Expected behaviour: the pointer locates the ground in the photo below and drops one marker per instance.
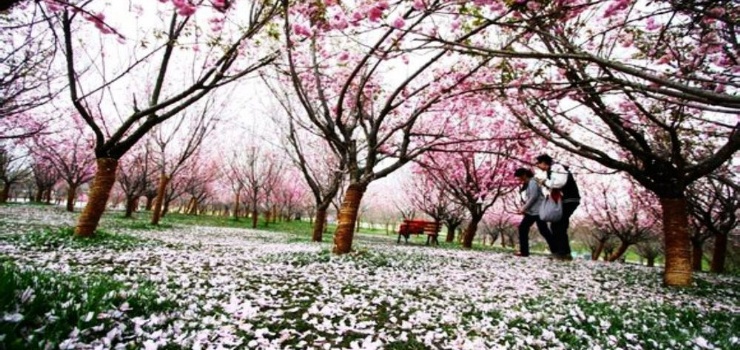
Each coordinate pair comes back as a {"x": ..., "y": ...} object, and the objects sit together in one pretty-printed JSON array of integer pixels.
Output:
[{"x": 192, "y": 287}]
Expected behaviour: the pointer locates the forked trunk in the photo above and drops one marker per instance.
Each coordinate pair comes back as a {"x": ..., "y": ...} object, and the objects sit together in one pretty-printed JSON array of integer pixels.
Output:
[
  {"x": 318, "y": 227},
  {"x": 719, "y": 254},
  {"x": 105, "y": 177},
  {"x": 470, "y": 231},
  {"x": 677, "y": 242},
  {"x": 620, "y": 251},
  {"x": 697, "y": 253},
  {"x": 347, "y": 218},
  {"x": 71, "y": 195},
  {"x": 164, "y": 180}
]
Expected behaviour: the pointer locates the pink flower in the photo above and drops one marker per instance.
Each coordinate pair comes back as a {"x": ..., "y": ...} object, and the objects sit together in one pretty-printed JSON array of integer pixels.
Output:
[
  {"x": 419, "y": 5},
  {"x": 344, "y": 56},
  {"x": 375, "y": 14},
  {"x": 398, "y": 23}
]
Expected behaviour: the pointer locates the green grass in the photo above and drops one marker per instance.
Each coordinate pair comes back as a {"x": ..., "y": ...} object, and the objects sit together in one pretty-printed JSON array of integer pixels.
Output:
[
  {"x": 48, "y": 239},
  {"x": 41, "y": 308}
]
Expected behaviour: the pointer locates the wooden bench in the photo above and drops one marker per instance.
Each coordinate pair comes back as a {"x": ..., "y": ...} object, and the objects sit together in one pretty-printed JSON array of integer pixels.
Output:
[{"x": 418, "y": 227}]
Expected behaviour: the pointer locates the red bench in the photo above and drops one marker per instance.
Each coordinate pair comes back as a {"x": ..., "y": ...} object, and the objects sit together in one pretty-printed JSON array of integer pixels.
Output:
[{"x": 418, "y": 227}]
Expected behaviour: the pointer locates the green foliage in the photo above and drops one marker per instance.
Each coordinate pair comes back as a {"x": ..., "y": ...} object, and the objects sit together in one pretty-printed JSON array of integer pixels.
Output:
[
  {"x": 41, "y": 308},
  {"x": 48, "y": 239}
]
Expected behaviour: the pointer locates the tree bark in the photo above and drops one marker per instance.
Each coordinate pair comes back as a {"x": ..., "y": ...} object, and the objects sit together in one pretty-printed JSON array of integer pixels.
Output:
[
  {"x": 697, "y": 253},
  {"x": 599, "y": 248},
  {"x": 451, "y": 233},
  {"x": 39, "y": 195},
  {"x": 719, "y": 254},
  {"x": 470, "y": 231},
  {"x": 347, "y": 218},
  {"x": 677, "y": 242},
  {"x": 4, "y": 192},
  {"x": 236, "y": 206},
  {"x": 71, "y": 195},
  {"x": 620, "y": 251},
  {"x": 105, "y": 177},
  {"x": 650, "y": 261},
  {"x": 318, "y": 227},
  {"x": 164, "y": 180},
  {"x": 130, "y": 203},
  {"x": 254, "y": 216}
]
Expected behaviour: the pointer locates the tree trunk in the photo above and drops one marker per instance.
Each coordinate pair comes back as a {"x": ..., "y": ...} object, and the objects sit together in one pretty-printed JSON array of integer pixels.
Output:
[
  {"x": 149, "y": 204},
  {"x": 192, "y": 207},
  {"x": 71, "y": 195},
  {"x": 596, "y": 253},
  {"x": 130, "y": 203},
  {"x": 503, "y": 240},
  {"x": 470, "y": 231},
  {"x": 5, "y": 192},
  {"x": 697, "y": 253},
  {"x": 105, "y": 177},
  {"x": 236, "y": 206},
  {"x": 357, "y": 223},
  {"x": 620, "y": 251},
  {"x": 166, "y": 208},
  {"x": 48, "y": 195},
  {"x": 164, "y": 180},
  {"x": 39, "y": 195},
  {"x": 318, "y": 227},
  {"x": 451, "y": 233},
  {"x": 719, "y": 253},
  {"x": 677, "y": 242},
  {"x": 254, "y": 216},
  {"x": 347, "y": 218},
  {"x": 651, "y": 261}
]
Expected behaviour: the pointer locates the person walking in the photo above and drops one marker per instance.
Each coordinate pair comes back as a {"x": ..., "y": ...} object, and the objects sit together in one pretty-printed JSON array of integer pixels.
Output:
[
  {"x": 560, "y": 182},
  {"x": 532, "y": 198}
]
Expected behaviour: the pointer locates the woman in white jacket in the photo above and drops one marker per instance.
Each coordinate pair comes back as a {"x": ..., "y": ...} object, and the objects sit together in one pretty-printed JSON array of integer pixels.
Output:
[{"x": 560, "y": 183}]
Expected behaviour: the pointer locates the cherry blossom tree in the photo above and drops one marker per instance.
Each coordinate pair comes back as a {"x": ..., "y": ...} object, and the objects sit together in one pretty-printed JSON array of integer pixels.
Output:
[
  {"x": 337, "y": 55},
  {"x": 473, "y": 180},
  {"x": 714, "y": 203},
  {"x": 27, "y": 75},
  {"x": 134, "y": 178},
  {"x": 68, "y": 149},
  {"x": 646, "y": 90},
  {"x": 174, "y": 143},
  {"x": 45, "y": 176},
  {"x": 13, "y": 169},
  {"x": 621, "y": 209},
  {"x": 211, "y": 58}
]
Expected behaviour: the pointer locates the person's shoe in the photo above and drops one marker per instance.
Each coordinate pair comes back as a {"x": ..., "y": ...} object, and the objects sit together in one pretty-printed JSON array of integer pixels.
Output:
[
  {"x": 520, "y": 254},
  {"x": 560, "y": 257}
]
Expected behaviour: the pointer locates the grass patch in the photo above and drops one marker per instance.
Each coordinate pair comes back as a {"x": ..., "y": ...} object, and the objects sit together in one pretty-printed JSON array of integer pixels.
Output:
[
  {"x": 40, "y": 309},
  {"x": 56, "y": 238}
]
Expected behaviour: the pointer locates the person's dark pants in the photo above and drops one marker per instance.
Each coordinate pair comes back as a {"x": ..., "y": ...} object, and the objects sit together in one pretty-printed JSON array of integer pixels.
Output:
[
  {"x": 524, "y": 227},
  {"x": 561, "y": 242}
]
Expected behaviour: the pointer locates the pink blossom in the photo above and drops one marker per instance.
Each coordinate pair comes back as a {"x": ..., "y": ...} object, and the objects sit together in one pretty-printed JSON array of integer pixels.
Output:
[
  {"x": 651, "y": 25},
  {"x": 398, "y": 23},
  {"x": 375, "y": 14},
  {"x": 419, "y": 5},
  {"x": 344, "y": 56}
]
